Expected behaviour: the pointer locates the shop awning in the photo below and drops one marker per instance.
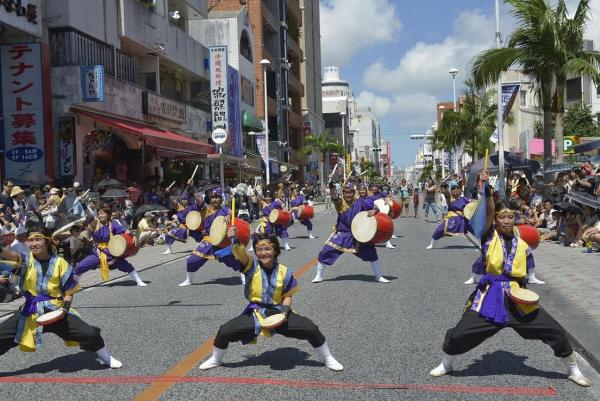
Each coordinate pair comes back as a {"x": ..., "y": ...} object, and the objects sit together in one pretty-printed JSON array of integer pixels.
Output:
[
  {"x": 586, "y": 147},
  {"x": 168, "y": 141},
  {"x": 251, "y": 122}
]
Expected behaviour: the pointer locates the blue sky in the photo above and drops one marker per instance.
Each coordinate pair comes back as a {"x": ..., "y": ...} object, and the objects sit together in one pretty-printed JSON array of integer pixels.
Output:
[{"x": 397, "y": 53}]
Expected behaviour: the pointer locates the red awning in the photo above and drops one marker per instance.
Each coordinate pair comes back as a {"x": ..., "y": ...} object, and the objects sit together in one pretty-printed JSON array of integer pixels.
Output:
[{"x": 161, "y": 139}]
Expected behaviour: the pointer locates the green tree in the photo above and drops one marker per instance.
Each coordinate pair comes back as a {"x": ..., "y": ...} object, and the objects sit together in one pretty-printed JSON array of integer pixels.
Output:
[
  {"x": 368, "y": 167},
  {"x": 472, "y": 125},
  {"x": 547, "y": 45},
  {"x": 579, "y": 120},
  {"x": 322, "y": 145},
  {"x": 426, "y": 172}
]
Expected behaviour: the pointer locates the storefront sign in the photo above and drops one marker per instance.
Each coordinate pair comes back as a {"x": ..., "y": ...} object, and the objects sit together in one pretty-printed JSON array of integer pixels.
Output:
[
  {"x": 92, "y": 83},
  {"x": 159, "y": 106},
  {"x": 218, "y": 85},
  {"x": 569, "y": 144},
  {"x": 22, "y": 14},
  {"x": 23, "y": 111}
]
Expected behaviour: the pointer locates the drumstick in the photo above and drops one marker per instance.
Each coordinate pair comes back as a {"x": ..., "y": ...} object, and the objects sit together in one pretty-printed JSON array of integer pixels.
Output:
[
  {"x": 194, "y": 173},
  {"x": 170, "y": 186},
  {"x": 232, "y": 210}
]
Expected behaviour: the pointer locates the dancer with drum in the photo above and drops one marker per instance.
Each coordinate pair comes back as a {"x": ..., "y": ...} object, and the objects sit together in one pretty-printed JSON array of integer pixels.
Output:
[
  {"x": 302, "y": 210},
  {"x": 501, "y": 299},
  {"x": 383, "y": 201},
  {"x": 206, "y": 250},
  {"x": 103, "y": 229},
  {"x": 48, "y": 283},
  {"x": 455, "y": 222},
  {"x": 275, "y": 218},
  {"x": 342, "y": 239},
  {"x": 183, "y": 208},
  {"x": 270, "y": 286}
]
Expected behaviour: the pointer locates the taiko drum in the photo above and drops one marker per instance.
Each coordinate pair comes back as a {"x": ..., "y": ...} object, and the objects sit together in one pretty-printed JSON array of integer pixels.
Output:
[
  {"x": 218, "y": 231},
  {"x": 372, "y": 230}
]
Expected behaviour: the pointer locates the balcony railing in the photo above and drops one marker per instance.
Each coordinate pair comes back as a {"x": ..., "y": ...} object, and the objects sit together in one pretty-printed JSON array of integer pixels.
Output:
[
  {"x": 71, "y": 47},
  {"x": 269, "y": 17},
  {"x": 293, "y": 48}
]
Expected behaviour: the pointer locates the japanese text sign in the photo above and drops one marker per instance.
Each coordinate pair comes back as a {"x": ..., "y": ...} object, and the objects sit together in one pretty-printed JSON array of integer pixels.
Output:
[{"x": 218, "y": 86}]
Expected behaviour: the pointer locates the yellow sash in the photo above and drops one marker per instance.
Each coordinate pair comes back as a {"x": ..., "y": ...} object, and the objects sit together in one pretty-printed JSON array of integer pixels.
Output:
[{"x": 103, "y": 261}]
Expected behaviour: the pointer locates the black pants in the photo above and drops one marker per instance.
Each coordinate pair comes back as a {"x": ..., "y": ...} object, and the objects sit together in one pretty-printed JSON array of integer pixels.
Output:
[
  {"x": 241, "y": 328},
  {"x": 473, "y": 329},
  {"x": 71, "y": 328}
]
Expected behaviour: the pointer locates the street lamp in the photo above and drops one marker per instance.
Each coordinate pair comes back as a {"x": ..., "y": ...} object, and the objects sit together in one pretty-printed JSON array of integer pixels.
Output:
[
  {"x": 265, "y": 64},
  {"x": 453, "y": 72}
]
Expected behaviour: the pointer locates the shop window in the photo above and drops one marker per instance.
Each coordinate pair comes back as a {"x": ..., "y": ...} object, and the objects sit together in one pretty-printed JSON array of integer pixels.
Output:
[
  {"x": 573, "y": 89},
  {"x": 523, "y": 98},
  {"x": 148, "y": 80},
  {"x": 247, "y": 92},
  {"x": 245, "y": 46}
]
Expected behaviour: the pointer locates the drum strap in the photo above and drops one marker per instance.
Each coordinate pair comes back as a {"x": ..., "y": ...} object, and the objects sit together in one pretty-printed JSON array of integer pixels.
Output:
[{"x": 103, "y": 260}]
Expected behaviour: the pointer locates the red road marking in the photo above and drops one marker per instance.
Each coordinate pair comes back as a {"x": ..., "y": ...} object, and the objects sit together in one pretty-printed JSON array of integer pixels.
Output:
[{"x": 531, "y": 391}]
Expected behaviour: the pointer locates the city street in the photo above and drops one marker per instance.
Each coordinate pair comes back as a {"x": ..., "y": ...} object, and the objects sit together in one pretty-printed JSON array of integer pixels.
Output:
[{"x": 387, "y": 336}]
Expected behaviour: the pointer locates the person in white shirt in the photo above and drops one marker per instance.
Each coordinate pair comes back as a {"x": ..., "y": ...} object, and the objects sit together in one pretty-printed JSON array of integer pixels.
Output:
[{"x": 20, "y": 243}]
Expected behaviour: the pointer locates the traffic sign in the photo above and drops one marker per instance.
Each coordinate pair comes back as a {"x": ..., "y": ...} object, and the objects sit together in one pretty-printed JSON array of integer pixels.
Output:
[{"x": 219, "y": 136}]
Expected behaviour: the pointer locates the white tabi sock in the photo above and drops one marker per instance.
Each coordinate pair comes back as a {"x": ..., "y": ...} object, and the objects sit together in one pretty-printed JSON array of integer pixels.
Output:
[
  {"x": 471, "y": 280},
  {"x": 445, "y": 366},
  {"x": 188, "y": 280},
  {"x": 320, "y": 272},
  {"x": 430, "y": 246},
  {"x": 286, "y": 245},
  {"x": 107, "y": 359},
  {"x": 310, "y": 235},
  {"x": 534, "y": 280},
  {"x": 328, "y": 359},
  {"x": 389, "y": 245},
  {"x": 376, "y": 266},
  {"x": 573, "y": 371},
  {"x": 134, "y": 275},
  {"x": 243, "y": 278},
  {"x": 168, "y": 251},
  {"x": 216, "y": 359}
]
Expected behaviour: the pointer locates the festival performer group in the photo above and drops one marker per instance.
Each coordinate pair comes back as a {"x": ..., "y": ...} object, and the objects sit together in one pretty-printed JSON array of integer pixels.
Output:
[{"x": 365, "y": 219}]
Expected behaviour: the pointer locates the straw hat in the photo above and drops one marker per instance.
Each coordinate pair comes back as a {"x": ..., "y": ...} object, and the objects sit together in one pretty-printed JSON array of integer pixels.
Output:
[
  {"x": 54, "y": 191},
  {"x": 16, "y": 191}
]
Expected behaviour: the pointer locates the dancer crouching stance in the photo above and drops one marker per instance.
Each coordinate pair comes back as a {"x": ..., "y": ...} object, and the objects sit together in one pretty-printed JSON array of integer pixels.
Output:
[
  {"x": 342, "y": 240},
  {"x": 505, "y": 262},
  {"x": 455, "y": 221},
  {"x": 48, "y": 284},
  {"x": 269, "y": 289}
]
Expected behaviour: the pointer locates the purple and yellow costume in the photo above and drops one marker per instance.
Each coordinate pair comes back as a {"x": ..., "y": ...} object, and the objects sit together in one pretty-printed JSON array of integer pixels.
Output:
[
  {"x": 341, "y": 240},
  {"x": 298, "y": 201},
  {"x": 206, "y": 250},
  {"x": 180, "y": 233},
  {"x": 265, "y": 226},
  {"x": 101, "y": 255},
  {"x": 455, "y": 222}
]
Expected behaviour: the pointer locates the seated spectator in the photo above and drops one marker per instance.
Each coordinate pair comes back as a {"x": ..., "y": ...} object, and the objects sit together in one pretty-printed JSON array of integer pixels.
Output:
[
  {"x": 147, "y": 230},
  {"x": 546, "y": 222},
  {"x": 555, "y": 232}
]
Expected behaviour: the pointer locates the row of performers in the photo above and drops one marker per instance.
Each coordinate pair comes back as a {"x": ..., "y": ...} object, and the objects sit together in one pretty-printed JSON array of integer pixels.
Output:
[{"x": 49, "y": 284}]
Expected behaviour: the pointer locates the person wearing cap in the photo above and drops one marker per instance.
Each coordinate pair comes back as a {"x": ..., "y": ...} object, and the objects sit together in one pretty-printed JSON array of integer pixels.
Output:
[
  {"x": 183, "y": 207},
  {"x": 504, "y": 263},
  {"x": 53, "y": 293},
  {"x": 18, "y": 197},
  {"x": 102, "y": 229},
  {"x": 341, "y": 240},
  {"x": 147, "y": 231},
  {"x": 298, "y": 200},
  {"x": 268, "y": 204},
  {"x": 205, "y": 250}
]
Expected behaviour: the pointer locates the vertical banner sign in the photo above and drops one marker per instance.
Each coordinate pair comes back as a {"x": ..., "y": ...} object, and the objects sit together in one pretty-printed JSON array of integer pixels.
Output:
[
  {"x": 261, "y": 143},
  {"x": 509, "y": 94},
  {"x": 218, "y": 86},
  {"x": 66, "y": 147},
  {"x": 23, "y": 111},
  {"x": 234, "y": 113},
  {"x": 92, "y": 83}
]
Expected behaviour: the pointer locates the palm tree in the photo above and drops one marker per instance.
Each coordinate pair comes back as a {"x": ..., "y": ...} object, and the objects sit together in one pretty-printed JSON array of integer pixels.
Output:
[
  {"x": 472, "y": 125},
  {"x": 368, "y": 167},
  {"x": 323, "y": 145},
  {"x": 547, "y": 46}
]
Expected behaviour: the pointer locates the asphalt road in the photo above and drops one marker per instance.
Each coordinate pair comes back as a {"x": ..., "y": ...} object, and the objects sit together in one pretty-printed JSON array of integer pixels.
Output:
[{"x": 388, "y": 336}]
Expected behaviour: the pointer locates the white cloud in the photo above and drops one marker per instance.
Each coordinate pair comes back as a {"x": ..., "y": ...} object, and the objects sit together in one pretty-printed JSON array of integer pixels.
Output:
[
  {"x": 425, "y": 66},
  {"x": 380, "y": 105},
  {"x": 348, "y": 26}
]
